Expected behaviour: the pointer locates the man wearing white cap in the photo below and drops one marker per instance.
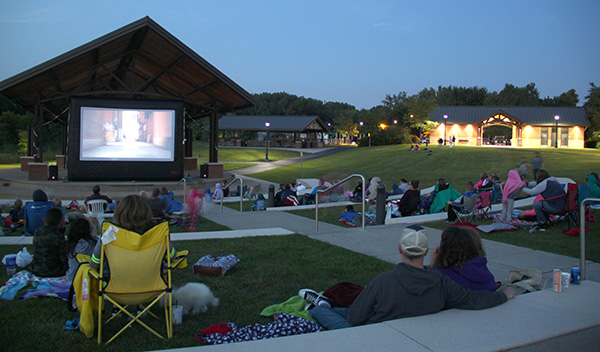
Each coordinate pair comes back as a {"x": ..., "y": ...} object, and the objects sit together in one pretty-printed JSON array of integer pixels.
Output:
[{"x": 409, "y": 290}]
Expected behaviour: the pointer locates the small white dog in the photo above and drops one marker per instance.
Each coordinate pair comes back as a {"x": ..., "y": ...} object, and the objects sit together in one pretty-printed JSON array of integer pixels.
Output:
[{"x": 194, "y": 297}]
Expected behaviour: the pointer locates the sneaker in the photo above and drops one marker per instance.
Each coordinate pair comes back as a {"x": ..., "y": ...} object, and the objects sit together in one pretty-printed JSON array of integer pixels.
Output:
[
  {"x": 309, "y": 306},
  {"x": 313, "y": 297}
]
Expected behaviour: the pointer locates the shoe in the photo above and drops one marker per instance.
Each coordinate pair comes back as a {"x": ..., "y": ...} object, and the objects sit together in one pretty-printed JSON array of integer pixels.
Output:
[
  {"x": 313, "y": 297},
  {"x": 309, "y": 306}
]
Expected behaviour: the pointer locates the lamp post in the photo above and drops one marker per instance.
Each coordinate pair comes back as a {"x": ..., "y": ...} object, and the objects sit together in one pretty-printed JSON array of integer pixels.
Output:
[
  {"x": 267, "y": 124},
  {"x": 445, "y": 119},
  {"x": 556, "y": 135}
]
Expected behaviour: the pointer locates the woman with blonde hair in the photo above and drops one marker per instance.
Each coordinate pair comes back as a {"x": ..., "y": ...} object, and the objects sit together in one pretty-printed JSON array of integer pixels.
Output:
[
  {"x": 134, "y": 214},
  {"x": 461, "y": 257}
]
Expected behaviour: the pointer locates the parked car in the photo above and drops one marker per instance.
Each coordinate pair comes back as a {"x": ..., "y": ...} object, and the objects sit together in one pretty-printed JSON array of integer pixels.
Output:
[{"x": 499, "y": 140}]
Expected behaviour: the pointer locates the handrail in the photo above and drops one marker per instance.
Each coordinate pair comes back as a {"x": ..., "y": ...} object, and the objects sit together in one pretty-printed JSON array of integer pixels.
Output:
[
  {"x": 582, "y": 234},
  {"x": 241, "y": 192},
  {"x": 333, "y": 186}
]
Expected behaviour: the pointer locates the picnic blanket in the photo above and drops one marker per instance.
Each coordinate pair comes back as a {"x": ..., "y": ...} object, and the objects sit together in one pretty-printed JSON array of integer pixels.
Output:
[
  {"x": 283, "y": 325},
  {"x": 514, "y": 221},
  {"x": 25, "y": 285},
  {"x": 293, "y": 306}
]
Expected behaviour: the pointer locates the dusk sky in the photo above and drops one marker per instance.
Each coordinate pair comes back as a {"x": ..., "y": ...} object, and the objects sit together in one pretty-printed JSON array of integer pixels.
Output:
[{"x": 354, "y": 52}]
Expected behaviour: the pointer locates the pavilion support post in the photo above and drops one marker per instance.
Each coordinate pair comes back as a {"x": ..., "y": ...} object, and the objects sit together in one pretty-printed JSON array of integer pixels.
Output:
[
  {"x": 36, "y": 134},
  {"x": 64, "y": 139},
  {"x": 189, "y": 139},
  {"x": 213, "y": 155}
]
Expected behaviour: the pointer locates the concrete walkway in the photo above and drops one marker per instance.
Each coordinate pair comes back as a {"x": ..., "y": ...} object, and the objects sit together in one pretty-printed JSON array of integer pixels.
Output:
[{"x": 538, "y": 321}]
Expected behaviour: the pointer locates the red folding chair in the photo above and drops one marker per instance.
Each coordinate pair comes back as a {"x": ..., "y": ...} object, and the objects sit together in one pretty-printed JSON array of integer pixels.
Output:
[
  {"x": 484, "y": 205},
  {"x": 571, "y": 209}
]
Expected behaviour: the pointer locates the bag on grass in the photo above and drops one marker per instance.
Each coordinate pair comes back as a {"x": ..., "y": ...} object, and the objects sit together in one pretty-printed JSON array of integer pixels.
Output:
[{"x": 215, "y": 266}]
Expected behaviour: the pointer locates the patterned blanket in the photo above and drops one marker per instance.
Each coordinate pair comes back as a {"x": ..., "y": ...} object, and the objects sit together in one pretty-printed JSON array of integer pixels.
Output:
[
  {"x": 25, "y": 285},
  {"x": 283, "y": 325}
]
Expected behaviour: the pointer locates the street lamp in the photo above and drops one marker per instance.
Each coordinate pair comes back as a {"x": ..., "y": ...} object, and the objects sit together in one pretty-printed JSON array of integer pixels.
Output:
[
  {"x": 267, "y": 124},
  {"x": 556, "y": 135},
  {"x": 445, "y": 119}
]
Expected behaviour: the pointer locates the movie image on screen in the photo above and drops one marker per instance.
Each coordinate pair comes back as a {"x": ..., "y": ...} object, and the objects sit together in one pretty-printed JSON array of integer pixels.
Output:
[{"x": 116, "y": 134}]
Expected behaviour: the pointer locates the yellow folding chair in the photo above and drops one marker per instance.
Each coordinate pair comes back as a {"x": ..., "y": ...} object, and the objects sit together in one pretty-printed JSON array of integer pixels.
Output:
[{"x": 140, "y": 274}]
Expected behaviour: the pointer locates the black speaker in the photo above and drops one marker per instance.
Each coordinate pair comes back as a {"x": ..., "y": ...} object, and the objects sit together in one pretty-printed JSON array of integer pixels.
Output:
[
  {"x": 53, "y": 172},
  {"x": 204, "y": 171}
]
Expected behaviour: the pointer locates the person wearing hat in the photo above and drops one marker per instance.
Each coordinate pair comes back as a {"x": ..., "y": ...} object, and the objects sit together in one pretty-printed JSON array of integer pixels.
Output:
[{"x": 411, "y": 289}]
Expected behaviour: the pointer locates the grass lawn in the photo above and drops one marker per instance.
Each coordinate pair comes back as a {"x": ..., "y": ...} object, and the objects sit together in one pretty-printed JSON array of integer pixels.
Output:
[
  {"x": 242, "y": 154},
  {"x": 552, "y": 240},
  {"x": 457, "y": 165},
  {"x": 271, "y": 270},
  {"x": 204, "y": 225}
]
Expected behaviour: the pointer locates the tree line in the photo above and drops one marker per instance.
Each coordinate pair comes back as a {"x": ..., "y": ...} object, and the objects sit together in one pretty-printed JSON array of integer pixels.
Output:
[{"x": 401, "y": 114}]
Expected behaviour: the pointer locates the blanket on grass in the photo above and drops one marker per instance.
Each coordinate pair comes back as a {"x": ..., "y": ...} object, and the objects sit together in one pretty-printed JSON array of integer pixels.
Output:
[
  {"x": 25, "y": 285},
  {"x": 293, "y": 306},
  {"x": 514, "y": 221},
  {"x": 283, "y": 325}
]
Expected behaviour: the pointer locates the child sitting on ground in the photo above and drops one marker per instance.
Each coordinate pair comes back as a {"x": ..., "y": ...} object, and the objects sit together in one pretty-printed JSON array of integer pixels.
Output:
[
  {"x": 79, "y": 241},
  {"x": 348, "y": 217},
  {"x": 15, "y": 217},
  {"x": 260, "y": 204}
]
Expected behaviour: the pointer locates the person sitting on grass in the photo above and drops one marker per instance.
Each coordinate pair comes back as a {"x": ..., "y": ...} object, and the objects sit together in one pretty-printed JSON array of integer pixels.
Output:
[
  {"x": 496, "y": 195},
  {"x": 466, "y": 202},
  {"x": 50, "y": 247},
  {"x": 79, "y": 241},
  {"x": 15, "y": 216},
  {"x": 554, "y": 197},
  {"x": 410, "y": 290},
  {"x": 173, "y": 204},
  {"x": 462, "y": 258},
  {"x": 133, "y": 214},
  {"x": 260, "y": 203},
  {"x": 409, "y": 201},
  {"x": 485, "y": 181},
  {"x": 349, "y": 216}
]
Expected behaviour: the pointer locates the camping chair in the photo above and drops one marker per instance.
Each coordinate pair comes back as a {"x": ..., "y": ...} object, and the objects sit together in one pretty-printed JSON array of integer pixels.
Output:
[
  {"x": 34, "y": 214},
  {"x": 140, "y": 274},
  {"x": 571, "y": 208},
  {"x": 465, "y": 215},
  {"x": 97, "y": 206},
  {"x": 484, "y": 204}
]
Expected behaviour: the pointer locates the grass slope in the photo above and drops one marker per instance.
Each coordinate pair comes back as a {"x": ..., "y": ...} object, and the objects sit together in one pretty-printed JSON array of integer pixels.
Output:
[
  {"x": 271, "y": 270},
  {"x": 457, "y": 165}
]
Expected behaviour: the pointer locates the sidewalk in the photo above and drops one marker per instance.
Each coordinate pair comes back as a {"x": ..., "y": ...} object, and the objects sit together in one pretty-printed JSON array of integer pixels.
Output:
[{"x": 538, "y": 321}]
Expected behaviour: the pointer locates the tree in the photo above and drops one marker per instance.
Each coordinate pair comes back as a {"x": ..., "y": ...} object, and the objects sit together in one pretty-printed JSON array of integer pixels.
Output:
[
  {"x": 396, "y": 106},
  {"x": 592, "y": 110},
  {"x": 345, "y": 124},
  {"x": 461, "y": 96},
  {"x": 11, "y": 124},
  {"x": 569, "y": 98},
  {"x": 515, "y": 96}
]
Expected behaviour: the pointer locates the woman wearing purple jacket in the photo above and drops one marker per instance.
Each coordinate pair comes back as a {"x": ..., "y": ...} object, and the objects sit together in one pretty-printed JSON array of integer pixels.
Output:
[{"x": 461, "y": 257}]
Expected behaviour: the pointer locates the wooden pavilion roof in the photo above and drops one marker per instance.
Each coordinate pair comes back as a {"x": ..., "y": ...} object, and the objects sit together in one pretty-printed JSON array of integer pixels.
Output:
[{"x": 139, "y": 61}]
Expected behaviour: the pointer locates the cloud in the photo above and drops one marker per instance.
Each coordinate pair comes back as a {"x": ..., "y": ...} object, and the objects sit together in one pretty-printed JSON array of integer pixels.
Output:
[{"x": 381, "y": 24}]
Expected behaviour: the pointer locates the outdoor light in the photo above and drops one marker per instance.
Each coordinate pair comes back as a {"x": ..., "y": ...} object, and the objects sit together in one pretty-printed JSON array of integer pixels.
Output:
[
  {"x": 445, "y": 119},
  {"x": 395, "y": 121},
  {"x": 267, "y": 124},
  {"x": 556, "y": 135},
  {"x": 361, "y": 123}
]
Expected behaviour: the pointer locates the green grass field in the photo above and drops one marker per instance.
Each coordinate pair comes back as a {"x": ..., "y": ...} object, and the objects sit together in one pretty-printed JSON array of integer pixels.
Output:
[
  {"x": 457, "y": 165},
  {"x": 271, "y": 270}
]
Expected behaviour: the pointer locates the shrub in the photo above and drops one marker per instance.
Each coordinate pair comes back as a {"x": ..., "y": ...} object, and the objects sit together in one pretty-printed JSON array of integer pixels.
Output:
[{"x": 591, "y": 144}]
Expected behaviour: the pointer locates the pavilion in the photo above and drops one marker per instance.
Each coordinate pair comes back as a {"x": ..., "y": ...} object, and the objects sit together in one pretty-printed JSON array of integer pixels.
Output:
[{"x": 532, "y": 126}]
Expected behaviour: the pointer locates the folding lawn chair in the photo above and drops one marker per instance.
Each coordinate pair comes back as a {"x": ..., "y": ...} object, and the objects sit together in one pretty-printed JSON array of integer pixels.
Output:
[
  {"x": 570, "y": 213},
  {"x": 484, "y": 204},
  {"x": 140, "y": 274}
]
